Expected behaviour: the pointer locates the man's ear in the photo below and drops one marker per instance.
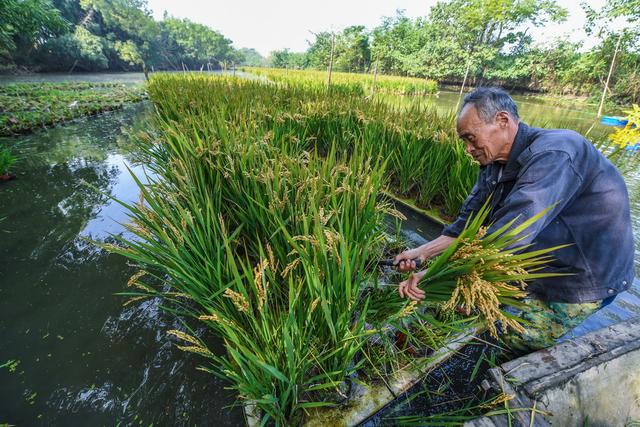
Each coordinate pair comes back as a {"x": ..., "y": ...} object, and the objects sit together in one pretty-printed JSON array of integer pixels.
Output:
[{"x": 502, "y": 119}]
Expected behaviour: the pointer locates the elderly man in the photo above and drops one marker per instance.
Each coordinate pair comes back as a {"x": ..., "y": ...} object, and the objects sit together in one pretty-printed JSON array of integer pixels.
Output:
[{"x": 524, "y": 170}]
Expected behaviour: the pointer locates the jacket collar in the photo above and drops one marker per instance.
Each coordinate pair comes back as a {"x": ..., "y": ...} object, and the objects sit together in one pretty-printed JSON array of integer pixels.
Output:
[{"x": 521, "y": 142}]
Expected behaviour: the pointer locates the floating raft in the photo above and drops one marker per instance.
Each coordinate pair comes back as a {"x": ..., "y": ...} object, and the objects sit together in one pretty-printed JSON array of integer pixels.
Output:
[{"x": 369, "y": 399}]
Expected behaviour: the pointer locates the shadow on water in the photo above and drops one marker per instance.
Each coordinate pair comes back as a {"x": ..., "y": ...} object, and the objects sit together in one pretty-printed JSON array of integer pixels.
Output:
[{"x": 82, "y": 358}]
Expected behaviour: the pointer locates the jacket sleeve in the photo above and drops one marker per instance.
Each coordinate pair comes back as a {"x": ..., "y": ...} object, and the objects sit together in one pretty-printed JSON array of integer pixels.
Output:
[
  {"x": 546, "y": 179},
  {"x": 471, "y": 205}
]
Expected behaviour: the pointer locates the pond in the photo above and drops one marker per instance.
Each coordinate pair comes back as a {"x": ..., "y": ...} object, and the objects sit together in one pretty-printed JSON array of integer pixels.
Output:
[
  {"x": 77, "y": 356},
  {"x": 80, "y": 357}
]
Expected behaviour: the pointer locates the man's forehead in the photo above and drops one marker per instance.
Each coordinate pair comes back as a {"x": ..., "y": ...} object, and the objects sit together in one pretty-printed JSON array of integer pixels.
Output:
[
  {"x": 467, "y": 115},
  {"x": 469, "y": 111}
]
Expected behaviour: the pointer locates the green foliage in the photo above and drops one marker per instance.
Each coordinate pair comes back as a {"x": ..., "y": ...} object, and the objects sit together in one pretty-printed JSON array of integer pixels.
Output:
[
  {"x": 490, "y": 41},
  {"x": 269, "y": 241},
  {"x": 6, "y": 161},
  {"x": 80, "y": 50},
  {"x": 486, "y": 40},
  {"x": 105, "y": 34},
  {"x": 129, "y": 52},
  {"x": 251, "y": 58},
  {"x": 90, "y": 48},
  {"x": 457, "y": 34},
  {"x": 286, "y": 59},
  {"x": 351, "y": 50},
  {"x": 28, "y": 106},
  {"x": 198, "y": 44},
  {"x": 25, "y": 24}
]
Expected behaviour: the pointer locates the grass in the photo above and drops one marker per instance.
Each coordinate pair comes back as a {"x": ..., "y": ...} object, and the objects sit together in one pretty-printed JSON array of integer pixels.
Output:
[
  {"x": 6, "y": 161},
  {"x": 263, "y": 220},
  {"x": 25, "y": 107}
]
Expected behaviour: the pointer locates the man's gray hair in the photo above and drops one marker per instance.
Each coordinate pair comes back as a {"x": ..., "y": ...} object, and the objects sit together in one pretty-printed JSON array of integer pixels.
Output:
[{"x": 489, "y": 101}]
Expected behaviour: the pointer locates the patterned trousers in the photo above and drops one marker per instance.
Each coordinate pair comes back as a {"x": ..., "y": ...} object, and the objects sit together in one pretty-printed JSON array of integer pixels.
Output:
[{"x": 548, "y": 321}]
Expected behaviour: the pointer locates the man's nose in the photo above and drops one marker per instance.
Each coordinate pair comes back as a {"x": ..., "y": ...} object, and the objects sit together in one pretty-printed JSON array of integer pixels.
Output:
[{"x": 468, "y": 147}]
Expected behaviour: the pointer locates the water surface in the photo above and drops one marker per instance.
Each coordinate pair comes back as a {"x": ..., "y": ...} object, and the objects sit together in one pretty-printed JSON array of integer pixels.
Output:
[{"x": 82, "y": 358}]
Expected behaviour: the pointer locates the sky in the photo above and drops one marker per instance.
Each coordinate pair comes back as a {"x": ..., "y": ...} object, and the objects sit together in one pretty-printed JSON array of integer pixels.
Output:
[{"x": 268, "y": 25}]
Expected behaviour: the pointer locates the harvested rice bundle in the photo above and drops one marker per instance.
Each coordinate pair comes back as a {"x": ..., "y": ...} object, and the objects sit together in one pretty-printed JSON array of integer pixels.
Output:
[{"x": 480, "y": 272}]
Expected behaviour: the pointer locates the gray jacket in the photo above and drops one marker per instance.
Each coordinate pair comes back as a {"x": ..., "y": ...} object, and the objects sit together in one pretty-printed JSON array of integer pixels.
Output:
[{"x": 592, "y": 211}]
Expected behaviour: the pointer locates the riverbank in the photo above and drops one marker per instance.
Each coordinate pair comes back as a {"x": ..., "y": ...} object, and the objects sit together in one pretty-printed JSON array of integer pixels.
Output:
[{"x": 25, "y": 107}]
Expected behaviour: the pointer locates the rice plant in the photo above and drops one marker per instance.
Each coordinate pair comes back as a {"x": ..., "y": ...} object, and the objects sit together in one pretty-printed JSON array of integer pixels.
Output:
[
  {"x": 426, "y": 159},
  {"x": 262, "y": 220},
  {"x": 365, "y": 82},
  {"x": 269, "y": 250},
  {"x": 480, "y": 273}
]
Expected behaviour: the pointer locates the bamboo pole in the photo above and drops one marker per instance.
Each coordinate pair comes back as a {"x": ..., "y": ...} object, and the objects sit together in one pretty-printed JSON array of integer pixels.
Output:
[
  {"x": 464, "y": 81},
  {"x": 333, "y": 45},
  {"x": 606, "y": 84},
  {"x": 375, "y": 78}
]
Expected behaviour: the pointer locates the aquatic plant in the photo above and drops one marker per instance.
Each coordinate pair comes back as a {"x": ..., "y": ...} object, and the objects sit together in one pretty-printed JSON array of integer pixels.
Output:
[
  {"x": 269, "y": 250},
  {"x": 262, "y": 220},
  {"x": 28, "y": 106},
  {"x": 6, "y": 161},
  {"x": 479, "y": 273}
]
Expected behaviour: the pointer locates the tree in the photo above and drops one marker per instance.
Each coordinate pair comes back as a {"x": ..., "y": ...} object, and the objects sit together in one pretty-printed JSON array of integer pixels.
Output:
[
  {"x": 395, "y": 44},
  {"x": 129, "y": 29},
  {"x": 198, "y": 44},
  {"x": 252, "y": 58},
  {"x": 618, "y": 49},
  {"x": 352, "y": 51},
  {"x": 25, "y": 25},
  {"x": 319, "y": 51},
  {"x": 286, "y": 59},
  {"x": 478, "y": 31}
]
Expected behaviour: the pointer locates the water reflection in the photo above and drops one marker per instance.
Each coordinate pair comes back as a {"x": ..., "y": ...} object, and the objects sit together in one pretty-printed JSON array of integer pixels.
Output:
[{"x": 83, "y": 358}]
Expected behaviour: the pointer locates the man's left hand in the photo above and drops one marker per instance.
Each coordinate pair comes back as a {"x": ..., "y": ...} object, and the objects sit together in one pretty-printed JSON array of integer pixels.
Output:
[{"x": 409, "y": 288}]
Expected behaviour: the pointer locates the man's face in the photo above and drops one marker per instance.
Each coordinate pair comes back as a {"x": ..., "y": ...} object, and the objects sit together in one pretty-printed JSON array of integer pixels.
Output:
[{"x": 485, "y": 142}]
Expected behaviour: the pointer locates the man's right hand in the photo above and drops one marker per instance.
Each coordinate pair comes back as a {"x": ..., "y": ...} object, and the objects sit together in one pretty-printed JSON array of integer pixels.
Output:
[{"x": 406, "y": 260}]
